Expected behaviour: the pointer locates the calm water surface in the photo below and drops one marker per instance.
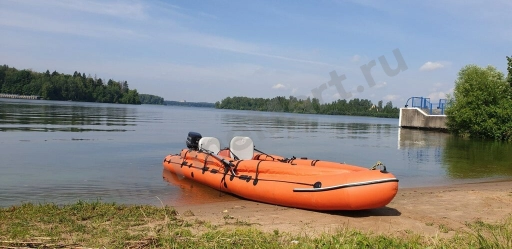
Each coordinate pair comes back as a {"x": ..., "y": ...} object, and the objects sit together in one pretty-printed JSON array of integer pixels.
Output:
[{"x": 62, "y": 152}]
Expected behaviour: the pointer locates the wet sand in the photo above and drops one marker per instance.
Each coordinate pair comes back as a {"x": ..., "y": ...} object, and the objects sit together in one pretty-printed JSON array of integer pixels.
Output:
[{"x": 431, "y": 211}]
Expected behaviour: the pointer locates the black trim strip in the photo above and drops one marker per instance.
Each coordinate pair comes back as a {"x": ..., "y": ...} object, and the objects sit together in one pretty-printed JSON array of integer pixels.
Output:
[{"x": 348, "y": 185}]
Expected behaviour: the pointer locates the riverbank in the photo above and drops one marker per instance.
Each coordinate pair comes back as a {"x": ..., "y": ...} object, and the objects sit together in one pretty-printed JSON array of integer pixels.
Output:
[
  {"x": 428, "y": 211},
  {"x": 459, "y": 216}
]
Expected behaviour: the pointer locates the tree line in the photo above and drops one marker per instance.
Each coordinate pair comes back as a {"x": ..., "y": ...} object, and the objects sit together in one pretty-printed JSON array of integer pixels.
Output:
[
  {"x": 189, "y": 104},
  {"x": 151, "y": 99},
  {"x": 59, "y": 86},
  {"x": 355, "y": 107}
]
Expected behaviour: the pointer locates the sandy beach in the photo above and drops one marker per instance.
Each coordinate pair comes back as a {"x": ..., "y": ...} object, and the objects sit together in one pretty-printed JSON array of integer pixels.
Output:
[{"x": 430, "y": 211}]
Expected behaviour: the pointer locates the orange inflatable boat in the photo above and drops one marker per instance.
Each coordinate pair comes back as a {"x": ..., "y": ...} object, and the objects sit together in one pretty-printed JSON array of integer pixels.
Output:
[{"x": 293, "y": 182}]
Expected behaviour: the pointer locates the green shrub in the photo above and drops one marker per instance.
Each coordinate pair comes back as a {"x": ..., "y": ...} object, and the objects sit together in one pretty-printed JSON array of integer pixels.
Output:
[{"x": 482, "y": 106}]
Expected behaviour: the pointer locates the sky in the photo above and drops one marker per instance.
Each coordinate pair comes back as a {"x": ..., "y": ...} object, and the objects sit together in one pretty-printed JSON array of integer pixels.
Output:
[{"x": 205, "y": 51}]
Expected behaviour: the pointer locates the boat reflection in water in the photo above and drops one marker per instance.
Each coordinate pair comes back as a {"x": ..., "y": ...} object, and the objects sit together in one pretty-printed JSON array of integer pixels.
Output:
[{"x": 191, "y": 192}]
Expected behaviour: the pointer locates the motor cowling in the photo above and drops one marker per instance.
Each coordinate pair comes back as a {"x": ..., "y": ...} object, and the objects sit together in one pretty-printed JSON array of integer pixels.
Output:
[{"x": 193, "y": 140}]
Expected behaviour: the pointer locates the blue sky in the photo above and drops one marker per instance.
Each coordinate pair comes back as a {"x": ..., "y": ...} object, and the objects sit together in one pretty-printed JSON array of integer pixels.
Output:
[{"x": 209, "y": 50}]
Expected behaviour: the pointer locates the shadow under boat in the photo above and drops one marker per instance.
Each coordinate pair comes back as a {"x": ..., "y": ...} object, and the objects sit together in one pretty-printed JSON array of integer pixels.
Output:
[{"x": 192, "y": 192}]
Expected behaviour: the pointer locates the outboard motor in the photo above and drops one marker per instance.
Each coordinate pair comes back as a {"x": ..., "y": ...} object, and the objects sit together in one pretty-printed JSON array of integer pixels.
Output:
[{"x": 193, "y": 140}]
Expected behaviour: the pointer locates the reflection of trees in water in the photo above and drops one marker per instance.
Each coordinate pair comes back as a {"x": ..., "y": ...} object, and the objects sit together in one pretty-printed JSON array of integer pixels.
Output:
[
  {"x": 459, "y": 158},
  {"x": 259, "y": 126},
  {"x": 263, "y": 123},
  {"x": 266, "y": 125},
  {"x": 476, "y": 158},
  {"x": 351, "y": 127},
  {"x": 45, "y": 116},
  {"x": 360, "y": 128}
]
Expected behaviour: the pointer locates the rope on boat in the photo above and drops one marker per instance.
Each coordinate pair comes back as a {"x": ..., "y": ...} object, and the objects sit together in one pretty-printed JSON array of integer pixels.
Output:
[
  {"x": 265, "y": 154},
  {"x": 379, "y": 164},
  {"x": 234, "y": 155},
  {"x": 255, "y": 181},
  {"x": 205, "y": 168},
  {"x": 246, "y": 177}
]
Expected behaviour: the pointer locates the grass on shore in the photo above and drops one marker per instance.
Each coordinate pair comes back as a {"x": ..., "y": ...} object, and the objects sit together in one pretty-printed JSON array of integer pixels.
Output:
[{"x": 110, "y": 225}]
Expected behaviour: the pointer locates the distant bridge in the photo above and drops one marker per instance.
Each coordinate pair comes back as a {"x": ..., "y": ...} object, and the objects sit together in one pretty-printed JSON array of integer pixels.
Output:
[{"x": 17, "y": 96}]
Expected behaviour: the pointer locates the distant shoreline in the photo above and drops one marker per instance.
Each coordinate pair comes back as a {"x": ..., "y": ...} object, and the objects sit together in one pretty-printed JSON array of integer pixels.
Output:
[{"x": 191, "y": 104}]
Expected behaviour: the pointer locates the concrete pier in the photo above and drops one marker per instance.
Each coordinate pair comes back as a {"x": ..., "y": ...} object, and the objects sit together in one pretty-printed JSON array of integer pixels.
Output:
[
  {"x": 16, "y": 96},
  {"x": 419, "y": 119}
]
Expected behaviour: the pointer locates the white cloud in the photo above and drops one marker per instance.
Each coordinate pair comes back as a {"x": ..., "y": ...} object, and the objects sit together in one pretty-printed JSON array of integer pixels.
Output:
[
  {"x": 391, "y": 97},
  {"x": 125, "y": 9},
  {"x": 232, "y": 45},
  {"x": 279, "y": 86},
  {"x": 121, "y": 9},
  {"x": 380, "y": 85},
  {"x": 436, "y": 87},
  {"x": 435, "y": 96},
  {"x": 45, "y": 24},
  {"x": 356, "y": 58},
  {"x": 430, "y": 66}
]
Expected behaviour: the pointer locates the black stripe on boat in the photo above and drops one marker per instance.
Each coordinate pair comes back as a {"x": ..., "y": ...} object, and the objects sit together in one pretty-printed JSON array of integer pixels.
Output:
[{"x": 347, "y": 185}]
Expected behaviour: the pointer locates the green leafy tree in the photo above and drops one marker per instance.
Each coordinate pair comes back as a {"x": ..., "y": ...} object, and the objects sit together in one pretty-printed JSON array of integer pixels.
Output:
[
  {"x": 388, "y": 107},
  {"x": 151, "y": 99},
  {"x": 3, "y": 70},
  {"x": 49, "y": 91},
  {"x": 482, "y": 106},
  {"x": 130, "y": 97},
  {"x": 509, "y": 69}
]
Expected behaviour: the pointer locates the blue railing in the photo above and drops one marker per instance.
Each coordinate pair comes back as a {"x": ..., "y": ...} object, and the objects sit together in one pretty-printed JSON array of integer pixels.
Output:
[{"x": 424, "y": 103}]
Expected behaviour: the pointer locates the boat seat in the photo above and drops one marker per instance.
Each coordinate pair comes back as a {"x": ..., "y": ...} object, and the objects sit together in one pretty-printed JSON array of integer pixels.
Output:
[
  {"x": 211, "y": 144},
  {"x": 241, "y": 148}
]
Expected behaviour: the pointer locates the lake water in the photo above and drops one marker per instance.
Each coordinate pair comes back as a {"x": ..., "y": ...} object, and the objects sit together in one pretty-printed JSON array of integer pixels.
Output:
[{"x": 62, "y": 152}]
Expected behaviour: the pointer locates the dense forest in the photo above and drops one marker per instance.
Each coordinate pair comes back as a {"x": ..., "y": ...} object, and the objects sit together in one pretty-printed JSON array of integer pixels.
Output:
[
  {"x": 355, "y": 107},
  {"x": 57, "y": 86},
  {"x": 151, "y": 99}
]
